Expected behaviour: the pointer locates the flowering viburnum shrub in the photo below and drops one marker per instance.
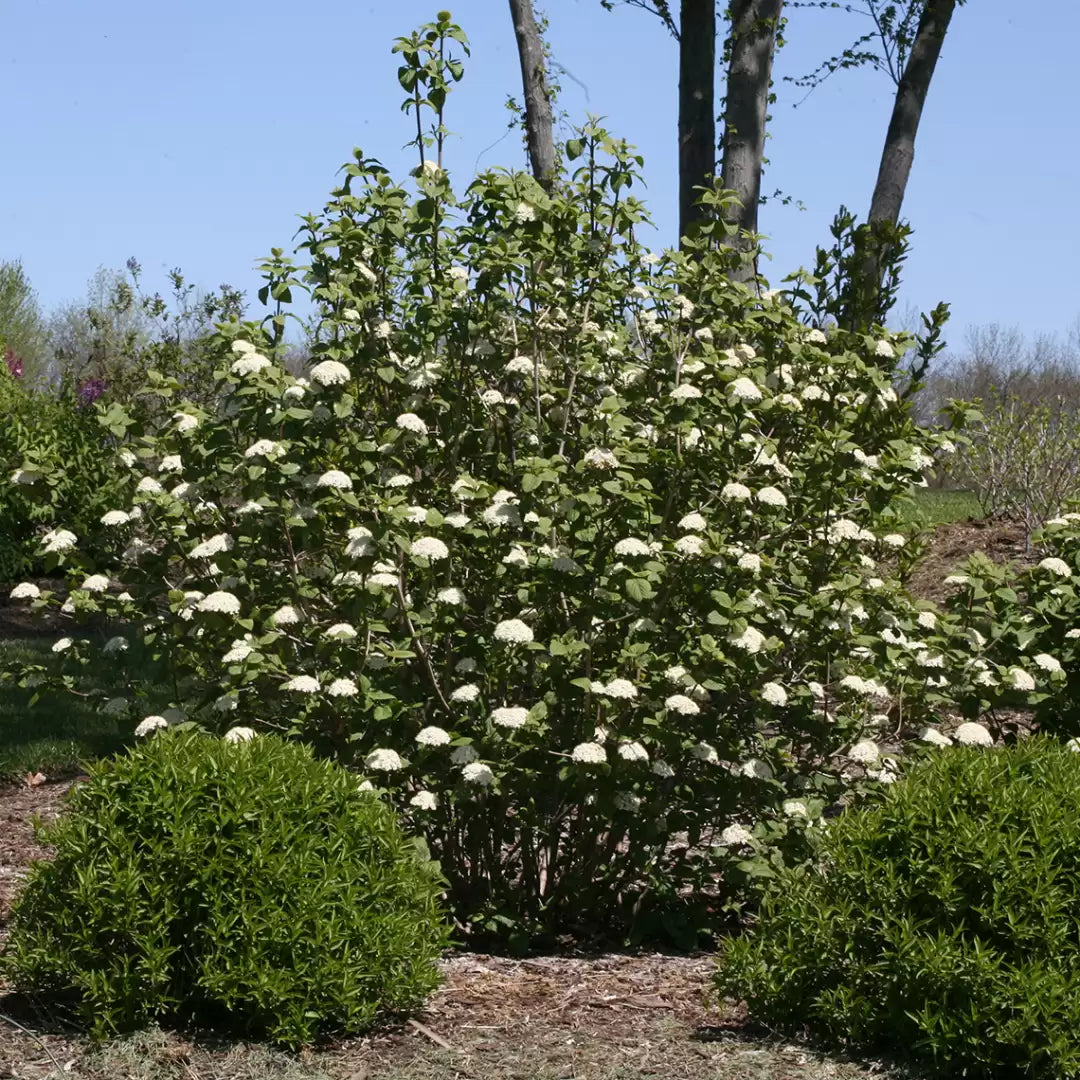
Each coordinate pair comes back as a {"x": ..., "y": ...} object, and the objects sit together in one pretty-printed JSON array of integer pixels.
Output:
[{"x": 573, "y": 548}]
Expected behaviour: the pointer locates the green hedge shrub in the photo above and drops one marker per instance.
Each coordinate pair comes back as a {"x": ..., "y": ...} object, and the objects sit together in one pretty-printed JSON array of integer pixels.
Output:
[
  {"x": 940, "y": 919},
  {"x": 196, "y": 876}
]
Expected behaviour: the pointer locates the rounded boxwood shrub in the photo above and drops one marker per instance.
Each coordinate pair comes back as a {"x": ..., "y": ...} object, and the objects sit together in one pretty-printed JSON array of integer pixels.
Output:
[
  {"x": 939, "y": 920},
  {"x": 196, "y": 876}
]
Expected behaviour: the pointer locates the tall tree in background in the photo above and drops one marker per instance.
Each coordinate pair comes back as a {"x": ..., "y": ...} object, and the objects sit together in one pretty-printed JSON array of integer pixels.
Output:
[
  {"x": 22, "y": 328},
  {"x": 539, "y": 133},
  {"x": 697, "y": 106}
]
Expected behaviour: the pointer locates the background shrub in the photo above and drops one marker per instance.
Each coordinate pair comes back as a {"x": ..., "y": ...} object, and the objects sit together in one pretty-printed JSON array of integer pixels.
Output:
[
  {"x": 195, "y": 875},
  {"x": 939, "y": 918}
]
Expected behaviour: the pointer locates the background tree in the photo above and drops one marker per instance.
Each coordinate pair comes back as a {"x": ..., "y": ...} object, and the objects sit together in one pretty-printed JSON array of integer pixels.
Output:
[
  {"x": 539, "y": 134},
  {"x": 22, "y": 328}
]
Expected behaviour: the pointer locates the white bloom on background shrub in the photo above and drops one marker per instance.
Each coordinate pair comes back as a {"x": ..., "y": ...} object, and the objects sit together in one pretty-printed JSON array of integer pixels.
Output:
[
  {"x": 631, "y": 547},
  {"x": 682, "y": 704},
  {"x": 249, "y": 364},
  {"x": 632, "y": 751},
  {"x": 336, "y": 480},
  {"x": 1056, "y": 566},
  {"x": 342, "y": 688},
  {"x": 1072, "y": 635},
  {"x": 384, "y": 760},
  {"x": 519, "y": 365},
  {"x": 927, "y": 620},
  {"x": 113, "y": 518},
  {"x": 95, "y": 583},
  {"x": 456, "y": 520},
  {"x": 510, "y": 716},
  {"x": 415, "y": 515},
  {"x": 744, "y": 389},
  {"x": 986, "y": 678},
  {"x": 865, "y": 752},
  {"x": 343, "y": 631},
  {"x": 214, "y": 546},
  {"x": 148, "y": 486},
  {"x": 491, "y": 397},
  {"x": 501, "y": 513},
  {"x": 749, "y": 561},
  {"x": 675, "y": 674},
  {"x": 429, "y": 547},
  {"x": 600, "y": 458},
  {"x": 115, "y": 644},
  {"x": 432, "y": 736},
  {"x": 185, "y": 422},
  {"x": 263, "y": 448},
  {"x": 58, "y": 540},
  {"x": 1021, "y": 679},
  {"x": 693, "y": 522},
  {"x": 476, "y": 772},
  {"x": 771, "y": 496},
  {"x": 239, "y": 734},
  {"x": 883, "y": 348},
  {"x": 774, "y": 694},
  {"x": 468, "y": 692},
  {"x": 627, "y": 801},
  {"x": 691, "y": 544},
  {"x": 25, "y": 590},
  {"x": 1073, "y": 745},
  {"x": 62, "y": 644},
  {"x": 524, "y": 213},
  {"x": 623, "y": 689},
  {"x": 842, "y": 529},
  {"x": 424, "y": 800},
  {"x": 935, "y": 737},
  {"x": 736, "y": 836},
  {"x": 685, "y": 392},
  {"x": 795, "y": 808},
  {"x": 383, "y": 330},
  {"x": 450, "y": 595},
  {"x": 756, "y": 769},
  {"x": 1041, "y": 660},
  {"x": 736, "y": 491},
  {"x": 359, "y": 542},
  {"x": 464, "y": 755},
  {"x": 589, "y": 753},
  {"x": 930, "y": 660},
  {"x": 116, "y": 706},
  {"x": 894, "y": 540},
  {"x": 238, "y": 653},
  {"x": 516, "y": 556},
  {"x": 148, "y": 725},
  {"x": 286, "y": 615},
  {"x": 513, "y": 632},
  {"x": 302, "y": 684},
  {"x": 383, "y": 579},
  {"x": 751, "y": 640},
  {"x": 399, "y": 480},
  {"x": 330, "y": 373},
  {"x": 972, "y": 734},
  {"x": 409, "y": 421}
]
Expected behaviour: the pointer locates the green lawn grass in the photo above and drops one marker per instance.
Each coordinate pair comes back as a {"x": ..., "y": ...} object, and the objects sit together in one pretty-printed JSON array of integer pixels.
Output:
[
  {"x": 937, "y": 506},
  {"x": 57, "y": 732}
]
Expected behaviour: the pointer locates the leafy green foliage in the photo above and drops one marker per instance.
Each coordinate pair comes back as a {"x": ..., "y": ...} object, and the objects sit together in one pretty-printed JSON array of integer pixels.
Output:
[
  {"x": 939, "y": 919},
  {"x": 195, "y": 875}
]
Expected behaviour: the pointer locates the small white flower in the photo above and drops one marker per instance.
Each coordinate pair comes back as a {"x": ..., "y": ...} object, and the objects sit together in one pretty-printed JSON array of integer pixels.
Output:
[
  {"x": 450, "y": 595},
  {"x": 744, "y": 389},
  {"x": 972, "y": 734},
  {"x": 600, "y": 458},
  {"x": 680, "y": 703},
  {"x": 771, "y": 496},
  {"x": 935, "y": 737},
  {"x": 774, "y": 694},
  {"x": 424, "y": 800},
  {"x": 411, "y": 422},
  {"x": 25, "y": 590},
  {"x": 457, "y": 520},
  {"x": 1072, "y": 635},
  {"x": 632, "y": 751},
  {"x": 383, "y": 330},
  {"x": 1041, "y": 660},
  {"x": 263, "y": 448},
  {"x": 59, "y": 540},
  {"x": 343, "y": 631},
  {"x": 302, "y": 684},
  {"x": 693, "y": 522},
  {"x": 148, "y": 725},
  {"x": 148, "y": 486},
  {"x": 865, "y": 752},
  {"x": 342, "y": 688},
  {"x": 432, "y": 736},
  {"x": 623, "y": 689},
  {"x": 736, "y": 491},
  {"x": 238, "y": 653},
  {"x": 751, "y": 640},
  {"x": 384, "y": 761},
  {"x": 476, "y": 772},
  {"x": 685, "y": 392},
  {"x": 466, "y": 693},
  {"x": 927, "y": 620},
  {"x": 220, "y": 601},
  {"x": 675, "y": 674},
  {"x": 883, "y": 348},
  {"x": 1056, "y": 566},
  {"x": 749, "y": 561},
  {"x": 703, "y": 751},
  {"x": 62, "y": 645},
  {"x": 492, "y": 397},
  {"x": 513, "y": 631},
  {"x": 589, "y": 753},
  {"x": 185, "y": 422},
  {"x": 499, "y": 514},
  {"x": 691, "y": 544},
  {"x": 795, "y": 808},
  {"x": 416, "y": 515},
  {"x": 662, "y": 769},
  {"x": 399, "y": 480},
  {"x": 113, "y": 518},
  {"x": 335, "y": 479},
  {"x": 756, "y": 769},
  {"x": 464, "y": 755},
  {"x": 286, "y": 615},
  {"x": 631, "y": 547},
  {"x": 239, "y": 734},
  {"x": 214, "y": 546},
  {"x": 894, "y": 540},
  {"x": 249, "y": 363},
  {"x": 524, "y": 213},
  {"x": 627, "y": 801},
  {"x": 513, "y": 716},
  {"x": 1020, "y": 679},
  {"x": 429, "y": 547},
  {"x": 330, "y": 373},
  {"x": 736, "y": 836}
]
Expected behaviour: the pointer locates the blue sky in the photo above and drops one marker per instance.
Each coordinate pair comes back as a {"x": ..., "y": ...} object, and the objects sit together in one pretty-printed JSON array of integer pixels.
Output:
[{"x": 193, "y": 134}]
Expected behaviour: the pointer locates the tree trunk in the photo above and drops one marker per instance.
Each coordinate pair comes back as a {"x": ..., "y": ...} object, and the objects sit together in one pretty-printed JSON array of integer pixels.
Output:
[
  {"x": 697, "y": 96},
  {"x": 899, "y": 151},
  {"x": 754, "y": 25},
  {"x": 538, "y": 122}
]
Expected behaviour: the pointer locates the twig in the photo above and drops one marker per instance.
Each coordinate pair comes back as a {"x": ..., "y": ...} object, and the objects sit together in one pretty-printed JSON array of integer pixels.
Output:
[
  {"x": 428, "y": 1033},
  {"x": 36, "y": 1038}
]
